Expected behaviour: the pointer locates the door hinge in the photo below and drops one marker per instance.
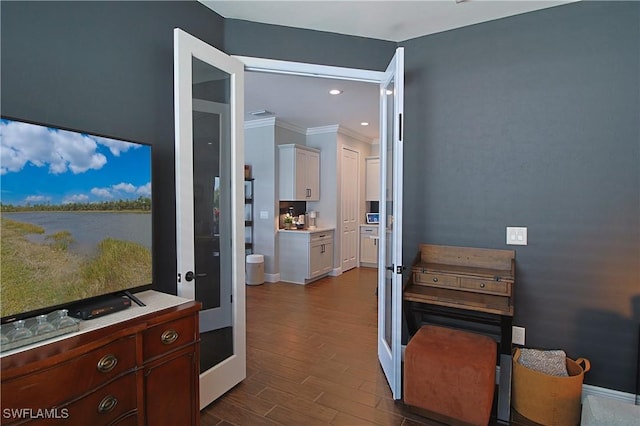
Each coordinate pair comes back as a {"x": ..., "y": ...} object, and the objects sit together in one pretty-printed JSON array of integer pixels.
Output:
[
  {"x": 231, "y": 298},
  {"x": 400, "y": 127}
]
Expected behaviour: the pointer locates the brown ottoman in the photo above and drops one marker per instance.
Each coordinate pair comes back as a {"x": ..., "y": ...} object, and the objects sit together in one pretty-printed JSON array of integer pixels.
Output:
[{"x": 450, "y": 375}]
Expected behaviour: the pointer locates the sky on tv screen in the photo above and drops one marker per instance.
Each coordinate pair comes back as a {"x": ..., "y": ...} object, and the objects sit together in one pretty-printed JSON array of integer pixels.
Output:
[{"x": 42, "y": 165}]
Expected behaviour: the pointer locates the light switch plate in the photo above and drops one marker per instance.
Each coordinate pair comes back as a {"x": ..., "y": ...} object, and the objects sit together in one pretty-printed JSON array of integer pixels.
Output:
[
  {"x": 264, "y": 214},
  {"x": 516, "y": 236}
]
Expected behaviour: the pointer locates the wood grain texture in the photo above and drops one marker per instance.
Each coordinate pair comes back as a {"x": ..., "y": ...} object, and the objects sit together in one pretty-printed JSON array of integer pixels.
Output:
[{"x": 312, "y": 359}]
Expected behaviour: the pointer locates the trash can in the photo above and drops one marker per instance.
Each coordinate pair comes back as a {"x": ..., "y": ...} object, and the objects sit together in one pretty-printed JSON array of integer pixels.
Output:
[{"x": 255, "y": 269}]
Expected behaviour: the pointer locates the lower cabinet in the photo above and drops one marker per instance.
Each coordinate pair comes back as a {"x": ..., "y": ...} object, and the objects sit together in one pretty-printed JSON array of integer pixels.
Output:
[
  {"x": 305, "y": 256},
  {"x": 131, "y": 371},
  {"x": 369, "y": 245},
  {"x": 163, "y": 405}
]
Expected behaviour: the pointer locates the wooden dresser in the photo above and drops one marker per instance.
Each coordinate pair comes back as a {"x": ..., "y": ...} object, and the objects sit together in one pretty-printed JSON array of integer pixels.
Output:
[{"x": 135, "y": 367}]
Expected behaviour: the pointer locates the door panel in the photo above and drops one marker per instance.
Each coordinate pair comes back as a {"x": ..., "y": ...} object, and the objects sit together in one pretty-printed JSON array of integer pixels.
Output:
[
  {"x": 390, "y": 235},
  {"x": 349, "y": 203},
  {"x": 210, "y": 205}
]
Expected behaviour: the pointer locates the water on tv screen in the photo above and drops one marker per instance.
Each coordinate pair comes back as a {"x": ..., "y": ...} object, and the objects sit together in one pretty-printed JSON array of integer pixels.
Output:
[{"x": 75, "y": 216}]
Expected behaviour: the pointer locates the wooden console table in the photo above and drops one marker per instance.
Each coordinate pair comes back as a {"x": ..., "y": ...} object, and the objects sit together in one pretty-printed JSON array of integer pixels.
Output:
[
  {"x": 471, "y": 287},
  {"x": 135, "y": 367}
]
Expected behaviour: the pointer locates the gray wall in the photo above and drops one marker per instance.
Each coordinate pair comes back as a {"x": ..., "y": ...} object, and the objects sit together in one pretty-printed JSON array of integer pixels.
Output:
[
  {"x": 107, "y": 68},
  {"x": 298, "y": 45},
  {"x": 533, "y": 121},
  {"x": 260, "y": 153}
]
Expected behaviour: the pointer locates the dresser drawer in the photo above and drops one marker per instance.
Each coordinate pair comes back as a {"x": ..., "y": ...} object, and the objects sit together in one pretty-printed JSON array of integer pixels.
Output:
[
  {"x": 435, "y": 279},
  {"x": 484, "y": 285},
  {"x": 106, "y": 404},
  {"x": 166, "y": 337},
  {"x": 321, "y": 236},
  {"x": 67, "y": 380}
]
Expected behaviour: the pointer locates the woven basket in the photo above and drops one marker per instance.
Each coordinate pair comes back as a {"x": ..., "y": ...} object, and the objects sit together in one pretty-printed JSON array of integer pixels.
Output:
[{"x": 545, "y": 399}]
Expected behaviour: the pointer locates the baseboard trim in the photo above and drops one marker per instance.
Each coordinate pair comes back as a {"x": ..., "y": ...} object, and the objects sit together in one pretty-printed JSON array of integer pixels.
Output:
[
  {"x": 608, "y": 393},
  {"x": 272, "y": 278}
]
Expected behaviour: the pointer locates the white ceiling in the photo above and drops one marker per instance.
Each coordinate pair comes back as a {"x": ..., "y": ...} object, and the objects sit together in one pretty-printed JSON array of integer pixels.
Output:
[{"x": 304, "y": 101}]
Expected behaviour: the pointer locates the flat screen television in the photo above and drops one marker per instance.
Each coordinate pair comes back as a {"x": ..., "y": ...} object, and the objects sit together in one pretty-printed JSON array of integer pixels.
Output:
[{"x": 76, "y": 217}]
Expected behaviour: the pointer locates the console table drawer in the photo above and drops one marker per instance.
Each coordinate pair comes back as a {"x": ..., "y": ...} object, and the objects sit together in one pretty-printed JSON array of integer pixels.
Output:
[
  {"x": 166, "y": 337},
  {"x": 484, "y": 285},
  {"x": 48, "y": 387},
  {"x": 435, "y": 279}
]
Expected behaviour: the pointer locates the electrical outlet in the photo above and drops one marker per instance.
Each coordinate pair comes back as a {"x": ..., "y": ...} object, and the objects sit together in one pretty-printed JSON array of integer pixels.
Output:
[{"x": 517, "y": 335}]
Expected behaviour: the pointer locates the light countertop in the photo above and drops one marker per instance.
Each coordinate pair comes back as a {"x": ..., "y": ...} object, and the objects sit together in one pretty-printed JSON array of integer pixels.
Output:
[{"x": 308, "y": 231}]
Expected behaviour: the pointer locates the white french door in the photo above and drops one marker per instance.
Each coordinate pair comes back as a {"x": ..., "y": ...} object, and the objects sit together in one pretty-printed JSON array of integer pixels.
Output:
[
  {"x": 208, "y": 91},
  {"x": 390, "y": 255}
]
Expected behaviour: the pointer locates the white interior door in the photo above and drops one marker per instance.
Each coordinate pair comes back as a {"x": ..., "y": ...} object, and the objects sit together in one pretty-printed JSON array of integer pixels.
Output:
[
  {"x": 349, "y": 208},
  {"x": 208, "y": 89},
  {"x": 390, "y": 261}
]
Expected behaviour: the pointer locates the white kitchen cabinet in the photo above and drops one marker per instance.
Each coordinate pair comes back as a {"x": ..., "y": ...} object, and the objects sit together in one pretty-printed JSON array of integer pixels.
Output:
[
  {"x": 369, "y": 245},
  {"x": 299, "y": 173},
  {"x": 305, "y": 255},
  {"x": 372, "y": 183}
]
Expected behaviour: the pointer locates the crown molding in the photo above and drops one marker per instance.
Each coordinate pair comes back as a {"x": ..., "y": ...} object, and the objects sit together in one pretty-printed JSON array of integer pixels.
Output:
[{"x": 260, "y": 122}]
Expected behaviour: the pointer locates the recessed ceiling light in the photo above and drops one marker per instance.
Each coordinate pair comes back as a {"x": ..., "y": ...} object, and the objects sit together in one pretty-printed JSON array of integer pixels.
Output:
[
  {"x": 335, "y": 91},
  {"x": 364, "y": 123}
]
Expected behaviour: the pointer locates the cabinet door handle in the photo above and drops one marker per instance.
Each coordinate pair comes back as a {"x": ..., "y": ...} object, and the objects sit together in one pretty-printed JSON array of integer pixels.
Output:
[
  {"x": 435, "y": 279},
  {"x": 107, "y": 404},
  {"x": 169, "y": 336},
  {"x": 107, "y": 363},
  {"x": 481, "y": 285}
]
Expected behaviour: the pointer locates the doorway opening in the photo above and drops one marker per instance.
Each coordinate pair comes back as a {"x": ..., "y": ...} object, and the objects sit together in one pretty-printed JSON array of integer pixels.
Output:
[{"x": 301, "y": 116}]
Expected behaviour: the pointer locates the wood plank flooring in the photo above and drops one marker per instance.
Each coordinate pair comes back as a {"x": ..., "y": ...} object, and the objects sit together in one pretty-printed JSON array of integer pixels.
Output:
[{"x": 312, "y": 359}]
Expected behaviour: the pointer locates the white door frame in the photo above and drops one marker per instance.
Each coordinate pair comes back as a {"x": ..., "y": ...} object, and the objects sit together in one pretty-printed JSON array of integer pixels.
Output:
[{"x": 377, "y": 77}]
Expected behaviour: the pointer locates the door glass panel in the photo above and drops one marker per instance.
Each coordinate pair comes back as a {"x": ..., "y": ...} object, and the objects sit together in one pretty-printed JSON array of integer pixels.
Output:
[
  {"x": 212, "y": 209},
  {"x": 388, "y": 200}
]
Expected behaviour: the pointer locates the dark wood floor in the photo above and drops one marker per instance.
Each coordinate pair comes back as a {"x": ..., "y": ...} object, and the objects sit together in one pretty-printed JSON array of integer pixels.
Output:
[{"x": 312, "y": 359}]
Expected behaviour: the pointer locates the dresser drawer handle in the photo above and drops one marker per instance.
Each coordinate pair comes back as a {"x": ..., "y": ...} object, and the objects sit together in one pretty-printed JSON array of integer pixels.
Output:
[
  {"x": 435, "y": 279},
  {"x": 107, "y": 404},
  {"x": 481, "y": 285},
  {"x": 107, "y": 363},
  {"x": 169, "y": 336}
]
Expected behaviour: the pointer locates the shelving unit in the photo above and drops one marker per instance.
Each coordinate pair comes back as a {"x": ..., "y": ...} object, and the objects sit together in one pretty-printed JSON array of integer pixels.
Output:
[{"x": 248, "y": 216}]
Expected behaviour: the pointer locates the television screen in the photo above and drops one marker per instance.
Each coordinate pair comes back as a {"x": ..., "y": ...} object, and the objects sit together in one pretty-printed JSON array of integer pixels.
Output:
[{"x": 75, "y": 216}]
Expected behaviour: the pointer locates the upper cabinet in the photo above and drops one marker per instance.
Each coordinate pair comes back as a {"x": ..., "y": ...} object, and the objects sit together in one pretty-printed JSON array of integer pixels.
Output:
[
  {"x": 299, "y": 173},
  {"x": 372, "y": 186}
]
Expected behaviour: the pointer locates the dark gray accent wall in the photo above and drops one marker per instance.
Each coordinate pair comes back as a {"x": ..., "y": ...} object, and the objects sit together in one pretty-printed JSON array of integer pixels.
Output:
[
  {"x": 107, "y": 68},
  {"x": 534, "y": 121},
  {"x": 299, "y": 45}
]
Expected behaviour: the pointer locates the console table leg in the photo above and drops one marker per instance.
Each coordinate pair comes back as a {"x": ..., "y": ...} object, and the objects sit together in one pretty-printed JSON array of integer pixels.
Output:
[{"x": 504, "y": 389}]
